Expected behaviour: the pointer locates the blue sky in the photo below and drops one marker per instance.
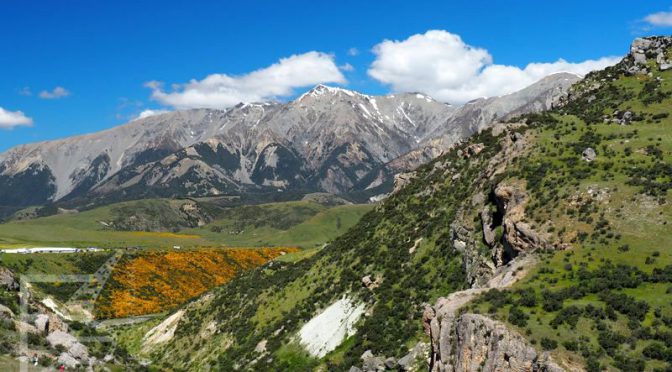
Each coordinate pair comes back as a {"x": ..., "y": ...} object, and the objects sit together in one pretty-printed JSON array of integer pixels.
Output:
[{"x": 102, "y": 54}]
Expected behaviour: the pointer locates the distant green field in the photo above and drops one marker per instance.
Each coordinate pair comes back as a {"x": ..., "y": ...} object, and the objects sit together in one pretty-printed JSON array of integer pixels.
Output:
[
  {"x": 301, "y": 223},
  {"x": 309, "y": 224}
]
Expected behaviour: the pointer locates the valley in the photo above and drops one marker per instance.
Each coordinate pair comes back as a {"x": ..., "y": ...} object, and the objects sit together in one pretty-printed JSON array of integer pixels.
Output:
[{"x": 341, "y": 231}]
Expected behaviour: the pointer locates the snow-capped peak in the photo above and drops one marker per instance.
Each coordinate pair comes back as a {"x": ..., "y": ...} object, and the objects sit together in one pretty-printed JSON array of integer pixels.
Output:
[{"x": 324, "y": 90}]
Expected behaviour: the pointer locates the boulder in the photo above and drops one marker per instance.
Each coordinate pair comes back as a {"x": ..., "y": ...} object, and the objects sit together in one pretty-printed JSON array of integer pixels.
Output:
[
  {"x": 56, "y": 324},
  {"x": 42, "y": 323},
  {"x": 474, "y": 149},
  {"x": 390, "y": 363},
  {"x": 61, "y": 338},
  {"x": 6, "y": 312},
  {"x": 375, "y": 364},
  {"x": 370, "y": 282},
  {"x": 23, "y": 327},
  {"x": 68, "y": 361},
  {"x": 7, "y": 280},
  {"x": 372, "y": 363},
  {"x": 354, "y": 369},
  {"x": 408, "y": 361},
  {"x": 79, "y": 351},
  {"x": 589, "y": 154},
  {"x": 640, "y": 45},
  {"x": 261, "y": 347}
]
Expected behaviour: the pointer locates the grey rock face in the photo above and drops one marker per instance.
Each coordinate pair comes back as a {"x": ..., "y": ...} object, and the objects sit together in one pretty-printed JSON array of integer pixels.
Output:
[
  {"x": 470, "y": 342},
  {"x": 482, "y": 344},
  {"x": 481, "y": 113},
  {"x": 519, "y": 237}
]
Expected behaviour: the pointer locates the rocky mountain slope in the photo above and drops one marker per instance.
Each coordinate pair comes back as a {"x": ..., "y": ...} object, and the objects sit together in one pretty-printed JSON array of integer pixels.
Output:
[
  {"x": 537, "y": 244},
  {"x": 329, "y": 139}
]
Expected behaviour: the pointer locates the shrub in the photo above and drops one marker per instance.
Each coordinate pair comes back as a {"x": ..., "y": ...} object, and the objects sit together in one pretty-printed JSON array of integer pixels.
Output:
[
  {"x": 518, "y": 317},
  {"x": 548, "y": 344}
]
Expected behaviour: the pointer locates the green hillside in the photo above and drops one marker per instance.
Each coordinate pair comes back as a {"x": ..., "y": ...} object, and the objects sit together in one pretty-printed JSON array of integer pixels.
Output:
[
  {"x": 600, "y": 297},
  {"x": 607, "y": 301},
  {"x": 160, "y": 223}
]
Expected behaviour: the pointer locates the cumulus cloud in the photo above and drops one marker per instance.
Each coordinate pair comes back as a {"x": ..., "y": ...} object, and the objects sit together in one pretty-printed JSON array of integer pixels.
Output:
[
  {"x": 11, "y": 119},
  {"x": 149, "y": 112},
  {"x": 56, "y": 93},
  {"x": 275, "y": 81},
  {"x": 660, "y": 19},
  {"x": 353, "y": 52},
  {"x": 440, "y": 64}
]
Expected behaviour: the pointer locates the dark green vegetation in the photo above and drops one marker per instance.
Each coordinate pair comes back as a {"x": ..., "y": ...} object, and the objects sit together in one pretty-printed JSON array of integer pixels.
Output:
[{"x": 606, "y": 302}]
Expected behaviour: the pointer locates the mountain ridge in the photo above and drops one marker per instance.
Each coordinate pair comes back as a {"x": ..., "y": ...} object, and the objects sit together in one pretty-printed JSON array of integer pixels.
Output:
[{"x": 328, "y": 139}]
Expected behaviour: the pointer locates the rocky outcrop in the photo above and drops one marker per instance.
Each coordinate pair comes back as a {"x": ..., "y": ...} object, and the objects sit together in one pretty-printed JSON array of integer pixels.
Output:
[
  {"x": 468, "y": 238},
  {"x": 471, "y": 342},
  {"x": 163, "y": 332},
  {"x": 7, "y": 280},
  {"x": 414, "y": 360},
  {"x": 655, "y": 48},
  {"x": 518, "y": 235},
  {"x": 401, "y": 180},
  {"x": 478, "y": 343},
  {"x": 589, "y": 154}
]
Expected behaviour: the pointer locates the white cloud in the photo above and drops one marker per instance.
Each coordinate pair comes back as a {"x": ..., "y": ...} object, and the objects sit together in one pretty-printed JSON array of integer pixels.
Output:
[
  {"x": 56, "y": 93},
  {"x": 149, "y": 112},
  {"x": 347, "y": 67},
  {"x": 353, "y": 52},
  {"x": 277, "y": 80},
  {"x": 660, "y": 19},
  {"x": 11, "y": 119},
  {"x": 442, "y": 65},
  {"x": 25, "y": 91}
]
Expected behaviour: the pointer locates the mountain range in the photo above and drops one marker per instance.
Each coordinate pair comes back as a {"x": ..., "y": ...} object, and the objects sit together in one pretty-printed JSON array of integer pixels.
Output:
[{"x": 328, "y": 139}]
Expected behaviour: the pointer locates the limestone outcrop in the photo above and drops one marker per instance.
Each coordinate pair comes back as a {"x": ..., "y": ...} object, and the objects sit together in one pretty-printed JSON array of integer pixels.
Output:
[
  {"x": 518, "y": 235},
  {"x": 472, "y": 342},
  {"x": 643, "y": 49},
  {"x": 478, "y": 343}
]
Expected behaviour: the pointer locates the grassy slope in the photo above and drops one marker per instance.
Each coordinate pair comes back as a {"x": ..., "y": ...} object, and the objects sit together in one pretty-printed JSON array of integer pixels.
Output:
[
  {"x": 271, "y": 303},
  {"x": 626, "y": 225},
  {"x": 314, "y": 224}
]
